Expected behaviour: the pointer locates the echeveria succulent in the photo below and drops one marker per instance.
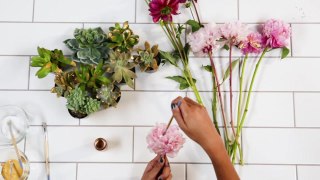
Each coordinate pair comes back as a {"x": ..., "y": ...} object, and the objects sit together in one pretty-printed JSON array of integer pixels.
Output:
[
  {"x": 121, "y": 68},
  {"x": 109, "y": 95},
  {"x": 50, "y": 61},
  {"x": 89, "y": 45},
  {"x": 122, "y": 39},
  {"x": 148, "y": 58},
  {"x": 64, "y": 83}
]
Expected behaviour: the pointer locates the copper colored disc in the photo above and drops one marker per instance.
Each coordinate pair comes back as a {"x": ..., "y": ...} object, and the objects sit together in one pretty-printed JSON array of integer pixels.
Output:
[{"x": 100, "y": 144}]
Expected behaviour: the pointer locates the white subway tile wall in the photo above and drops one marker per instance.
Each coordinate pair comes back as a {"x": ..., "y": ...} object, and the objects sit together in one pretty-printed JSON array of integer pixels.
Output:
[{"x": 282, "y": 131}]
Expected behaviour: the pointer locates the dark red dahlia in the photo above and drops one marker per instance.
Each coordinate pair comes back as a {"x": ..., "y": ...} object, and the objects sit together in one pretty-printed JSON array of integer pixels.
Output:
[{"x": 163, "y": 9}]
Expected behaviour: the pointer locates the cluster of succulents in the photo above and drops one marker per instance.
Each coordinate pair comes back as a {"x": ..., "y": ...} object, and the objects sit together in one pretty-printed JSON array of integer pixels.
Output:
[{"x": 101, "y": 62}]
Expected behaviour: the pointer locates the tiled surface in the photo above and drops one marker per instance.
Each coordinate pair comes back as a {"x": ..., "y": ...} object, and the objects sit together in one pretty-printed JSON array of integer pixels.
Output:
[{"x": 281, "y": 134}]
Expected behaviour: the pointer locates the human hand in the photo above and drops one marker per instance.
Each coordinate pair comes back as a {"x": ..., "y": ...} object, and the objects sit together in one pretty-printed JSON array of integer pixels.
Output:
[
  {"x": 195, "y": 121},
  {"x": 157, "y": 169}
]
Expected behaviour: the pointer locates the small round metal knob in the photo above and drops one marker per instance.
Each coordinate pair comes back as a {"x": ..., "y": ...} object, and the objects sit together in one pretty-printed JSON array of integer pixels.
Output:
[{"x": 100, "y": 144}]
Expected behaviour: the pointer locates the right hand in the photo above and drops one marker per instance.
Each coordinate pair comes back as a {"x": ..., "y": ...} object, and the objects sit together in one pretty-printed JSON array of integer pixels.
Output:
[{"x": 195, "y": 121}]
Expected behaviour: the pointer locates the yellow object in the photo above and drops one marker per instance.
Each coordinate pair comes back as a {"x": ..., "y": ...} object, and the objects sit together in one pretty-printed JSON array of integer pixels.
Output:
[{"x": 11, "y": 170}]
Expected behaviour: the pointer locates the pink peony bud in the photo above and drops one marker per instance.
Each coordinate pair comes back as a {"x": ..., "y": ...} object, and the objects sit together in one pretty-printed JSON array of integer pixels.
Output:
[{"x": 275, "y": 33}]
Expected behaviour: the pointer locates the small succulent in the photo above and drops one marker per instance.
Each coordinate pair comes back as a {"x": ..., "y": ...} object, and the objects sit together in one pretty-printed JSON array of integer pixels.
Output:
[
  {"x": 64, "y": 83},
  {"x": 120, "y": 66},
  {"x": 78, "y": 101},
  {"x": 122, "y": 39},
  {"x": 148, "y": 58},
  {"x": 91, "y": 76},
  {"x": 89, "y": 45},
  {"x": 109, "y": 95},
  {"x": 50, "y": 61}
]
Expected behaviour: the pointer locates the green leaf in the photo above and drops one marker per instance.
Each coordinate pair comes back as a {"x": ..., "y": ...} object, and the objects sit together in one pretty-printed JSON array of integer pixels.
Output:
[
  {"x": 187, "y": 49},
  {"x": 169, "y": 57},
  {"x": 226, "y": 47},
  {"x": 285, "y": 52},
  {"x": 182, "y": 81},
  {"x": 207, "y": 68},
  {"x": 233, "y": 65},
  {"x": 43, "y": 72},
  {"x": 195, "y": 26}
]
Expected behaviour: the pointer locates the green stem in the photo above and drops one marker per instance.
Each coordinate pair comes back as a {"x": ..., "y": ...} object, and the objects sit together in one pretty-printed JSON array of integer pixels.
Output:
[
  {"x": 230, "y": 93},
  {"x": 214, "y": 103},
  {"x": 195, "y": 8}
]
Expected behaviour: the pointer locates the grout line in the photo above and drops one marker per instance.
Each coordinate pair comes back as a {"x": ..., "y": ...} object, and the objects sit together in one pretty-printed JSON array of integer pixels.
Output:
[
  {"x": 29, "y": 71},
  {"x": 291, "y": 44},
  {"x": 77, "y": 171},
  {"x": 133, "y": 144},
  {"x": 297, "y": 177},
  {"x": 238, "y": 5},
  {"x": 186, "y": 173},
  {"x": 135, "y": 12},
  {"x": 294, "y": 109},
  {"x": 34, "y": 2},
  {"x": 82, "y": 25}
]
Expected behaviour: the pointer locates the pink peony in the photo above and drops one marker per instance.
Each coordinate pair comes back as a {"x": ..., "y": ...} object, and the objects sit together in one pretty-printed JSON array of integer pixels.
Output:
[
  {"x": 163, "y": 9},
  {"x": 275, "y": 33},
  {"x": 253, "y": 44},
  {"x": 204, "y": 40},
  {"x": 168, "y": 144},
  {"x": 234, "y": 33}
]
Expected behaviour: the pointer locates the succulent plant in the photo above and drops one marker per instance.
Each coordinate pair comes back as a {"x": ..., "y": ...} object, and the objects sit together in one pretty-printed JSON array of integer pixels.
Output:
[
  {"x": 64, "y": 83},
  {"x": 120, "y": 66},
  {"x": 90, "y": 76},
  {"x": 122, "y": 39},
  {"x": 89, "y": 45},
  {"x": 109, "y": 95},
  {"x": 78, "y": 101},
  {"x": 148, "y": 59},
  {"x": 50, "y": 61}
]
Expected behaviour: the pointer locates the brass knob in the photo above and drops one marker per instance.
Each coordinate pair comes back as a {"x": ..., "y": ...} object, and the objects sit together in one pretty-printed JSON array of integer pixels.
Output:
[{"x": 100, "y": 144}]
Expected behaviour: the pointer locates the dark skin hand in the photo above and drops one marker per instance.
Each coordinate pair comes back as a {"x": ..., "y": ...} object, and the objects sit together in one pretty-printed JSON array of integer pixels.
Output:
[{"x": 158, "y": 169}]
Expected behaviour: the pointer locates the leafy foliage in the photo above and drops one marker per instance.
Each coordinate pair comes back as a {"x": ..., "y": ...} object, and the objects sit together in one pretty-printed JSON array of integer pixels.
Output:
[
  {"x": 79, "y": 101},
  {"x": 148, "y": 58},
  {"x": 89, "y": 45},
  {"x": 122, "y": 39},
  {"x": 195, "y": 25},
  {"x": 64, "y": 83},
  {"x": 120, "y": 66},
  {"x": 50, "y": 61},
  {"x": 285, "y": 52},
  {"x": 108, "y": 95},
  {"x": 182, "y": 81}
]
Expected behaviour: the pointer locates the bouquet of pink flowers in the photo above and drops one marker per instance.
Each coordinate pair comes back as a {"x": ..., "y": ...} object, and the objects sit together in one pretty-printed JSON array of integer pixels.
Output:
[{"x": 205, "y": 40}]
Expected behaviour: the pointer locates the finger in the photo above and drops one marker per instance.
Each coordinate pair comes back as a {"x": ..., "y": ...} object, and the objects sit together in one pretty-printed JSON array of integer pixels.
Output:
[
  {"x": 178, "y": 116},
  {"x": 170, "y": 177},
  {"x": 184, "y": 109},
  {"x": 191, "y": 102},
  {"x": 151, "y": 163},
  {"x": 158, "y": 165},
  {"x": 166, "y": 171},
  {"x": 176, "y": 101}
]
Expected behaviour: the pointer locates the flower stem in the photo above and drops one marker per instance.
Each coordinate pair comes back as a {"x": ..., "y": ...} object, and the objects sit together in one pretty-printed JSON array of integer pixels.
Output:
[
  {"x": 195, "y": 8},
  {"x": 231, "y": 95},
  {"x": 214, "y": 70},
  {"x": 214, "y": 103}
]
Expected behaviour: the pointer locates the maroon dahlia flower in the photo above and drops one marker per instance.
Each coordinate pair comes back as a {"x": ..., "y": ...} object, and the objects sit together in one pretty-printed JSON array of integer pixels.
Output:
[{"x": 163, "y": 9}]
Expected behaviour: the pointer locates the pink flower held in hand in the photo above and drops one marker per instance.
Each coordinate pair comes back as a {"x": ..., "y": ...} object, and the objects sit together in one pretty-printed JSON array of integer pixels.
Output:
[
  {"x": 275, "y": 33},
  {"x": 253, "y": 44},
  {"x": 163, "y": 9},
  {"x": 168, "y": 144},
  {"x": 204, "y": 40},
  {"x": 234, "y": 33}
]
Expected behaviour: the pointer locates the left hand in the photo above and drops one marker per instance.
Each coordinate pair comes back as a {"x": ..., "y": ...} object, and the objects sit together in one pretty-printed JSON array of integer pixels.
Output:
[{"x": 158, "y": 169}]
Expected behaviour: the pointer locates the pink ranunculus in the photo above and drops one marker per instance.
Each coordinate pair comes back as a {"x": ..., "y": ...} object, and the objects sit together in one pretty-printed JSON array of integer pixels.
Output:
[
  {"x": 168, "y": 144},
  {"x": 253, "y": 44},
  {"x": 163, "y": 9},
  {"x": 234, "y": 33},
  {"x": 276, "y": 33},
  {"x": 205, "y": 39}
]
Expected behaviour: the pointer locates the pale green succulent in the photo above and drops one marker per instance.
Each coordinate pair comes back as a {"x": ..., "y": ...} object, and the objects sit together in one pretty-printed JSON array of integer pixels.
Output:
[
  {"x": 148, "y": 58},
  {"x": 89, "y": 45},
  {"x": 92, "y": 105},
  {"x": 109, "y": 95},
  {"x": 122, "y": 39},
  {"x": 120, "y": 67}
]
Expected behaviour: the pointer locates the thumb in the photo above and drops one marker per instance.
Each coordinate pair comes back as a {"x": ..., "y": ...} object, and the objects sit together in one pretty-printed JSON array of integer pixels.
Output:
[{"x": 158, "y": 165}]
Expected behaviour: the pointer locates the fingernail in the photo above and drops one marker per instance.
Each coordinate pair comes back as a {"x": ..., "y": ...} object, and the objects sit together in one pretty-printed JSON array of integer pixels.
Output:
[
  {"x": 179, "y": 103},
  {"x": 161, "y": 160},
  {"x": 173, "y": 106}
]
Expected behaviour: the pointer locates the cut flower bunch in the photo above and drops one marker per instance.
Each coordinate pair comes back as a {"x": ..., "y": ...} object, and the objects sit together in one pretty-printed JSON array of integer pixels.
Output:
[
  {"x": 101, "y": 62},
  {"x": 205, "y": 40}
]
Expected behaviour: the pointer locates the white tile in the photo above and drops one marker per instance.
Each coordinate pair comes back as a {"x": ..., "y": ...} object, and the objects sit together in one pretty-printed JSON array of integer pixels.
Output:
[
  {"x": 7, "y": 152},
  {"x": 307, "y": 109},
  {"x": 115, "y": 171},
  {"x": 40, "y": 84},
  {"x": 265, "y": 110},
  {"x": 247, "y": 172},
  {"x": 76, "y": 144},
  {"x": 50, "y": 36},
  {"x": 40, "y": 106},
  {"x": 16, "y": 10},
  {"x": 308, "y": 172},
  {"x": 209, "y": 11},
  {"x": 14, "y": 72},
  {"x": 191, "y": 152},
  {"x": 84, "y": 11},
  {"x": 305, "y": 35},
  {"x": 288, "y": 10},
  {"x": 58, "y": 171},
  {"x": 281, "y": 146},
  {"x": 141, "y": 108},
  {"x": 35, "y": 144}
]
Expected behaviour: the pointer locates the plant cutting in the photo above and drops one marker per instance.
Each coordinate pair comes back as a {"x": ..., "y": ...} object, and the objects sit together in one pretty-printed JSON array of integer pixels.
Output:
[
  {"x": 204, "y": 41},
  {"x": 101, "y": 62}
]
